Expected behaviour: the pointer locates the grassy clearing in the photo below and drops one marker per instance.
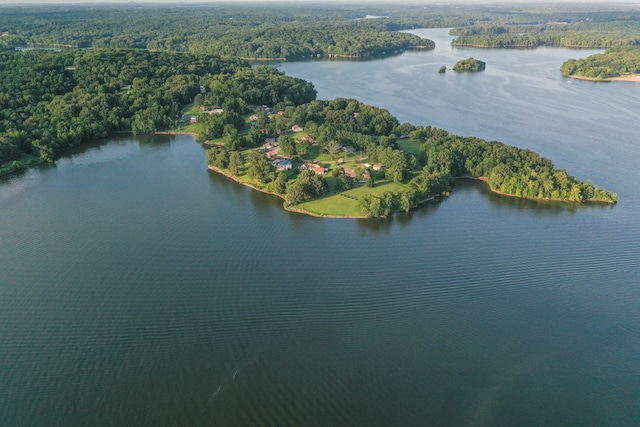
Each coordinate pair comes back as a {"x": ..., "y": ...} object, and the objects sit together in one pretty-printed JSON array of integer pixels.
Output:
[
  {"x": 335, "y": 205},
  {"x": 346, "y": 203},
  {"x": 410, "y": 146}
]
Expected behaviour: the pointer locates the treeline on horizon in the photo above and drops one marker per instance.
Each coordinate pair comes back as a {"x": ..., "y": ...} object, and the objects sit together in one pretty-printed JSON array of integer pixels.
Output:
[
  {"x": 240, "y": 31},
  {"x": 302, "y": 31},
  {"x": 584, "y": 34}
]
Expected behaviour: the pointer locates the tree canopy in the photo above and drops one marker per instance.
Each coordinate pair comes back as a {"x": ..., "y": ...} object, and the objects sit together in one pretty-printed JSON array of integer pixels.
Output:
[
  {"x": 615, "y": 62},
  {"x": 469, "y": 64}
]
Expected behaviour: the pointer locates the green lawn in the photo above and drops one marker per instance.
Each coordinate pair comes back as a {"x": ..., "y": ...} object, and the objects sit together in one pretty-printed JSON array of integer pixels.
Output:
[
  {"x": 410, "y": 146},
  {"x": 346, "y": 203},
  {"x": 335, "y": 205}
]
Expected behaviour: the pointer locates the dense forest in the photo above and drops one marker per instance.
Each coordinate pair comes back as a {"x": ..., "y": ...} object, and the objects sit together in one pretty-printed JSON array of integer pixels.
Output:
[
  {"x": 52, "y": 101},
  {"x": 304, "y": 31},
  {"x": 584, "y": 34},
  {"x": 615, "y": 62},
  {"x": 247, "y": 32}
]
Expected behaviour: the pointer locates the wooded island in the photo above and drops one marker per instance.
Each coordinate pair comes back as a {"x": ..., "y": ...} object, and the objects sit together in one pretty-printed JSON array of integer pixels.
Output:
[{"x": 469, "y": 64}]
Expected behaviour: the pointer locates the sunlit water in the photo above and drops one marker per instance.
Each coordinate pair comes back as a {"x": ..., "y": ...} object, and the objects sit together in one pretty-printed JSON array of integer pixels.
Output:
[{"x": 137, "y": 288}]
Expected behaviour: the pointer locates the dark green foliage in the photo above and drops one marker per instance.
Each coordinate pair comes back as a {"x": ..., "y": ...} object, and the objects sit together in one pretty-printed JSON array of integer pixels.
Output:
[
  {"x": 615, "y": 62},
  {"x": 236, "y": 162},
  {"x": 52, "y": 101},
  {"x": 307, "y": 186},
  {"x": 343, "y": 182},
  {"x": 287, "y": 145},
  {"x": 374, "y": 206},
  {"x": 218, "y": 157},
  {"x": 508, "y": 169},
  {"x": 279, "y": 185},
  {"x": 238, "y": 31},
  {"x": 442, "y": 69},
  {"x": 469, "y": 64},
  {"x": 591, "y": 33},
  {"x": 259, "y": 168},
  {"x": 260, "y": 86}
]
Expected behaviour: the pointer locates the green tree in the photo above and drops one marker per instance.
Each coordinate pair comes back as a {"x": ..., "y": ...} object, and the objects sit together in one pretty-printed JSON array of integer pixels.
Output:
[
  {"x": 332, "y": 147},
  {"x": 236, "y": 162},
  {"x": 287, "y": 145}
]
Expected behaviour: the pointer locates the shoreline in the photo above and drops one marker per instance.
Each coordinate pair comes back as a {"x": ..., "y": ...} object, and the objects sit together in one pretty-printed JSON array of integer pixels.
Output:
[
  {"x": 284, "y": 205},
  {"x": 539, "y": 199},
  {"x": 628, "y": 78},
  {"x": 303, "y": 211}
]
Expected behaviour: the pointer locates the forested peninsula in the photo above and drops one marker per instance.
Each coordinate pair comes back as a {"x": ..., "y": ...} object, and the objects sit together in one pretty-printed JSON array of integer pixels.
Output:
[
  {"x": 52, "y": 101},
  {"x": 263, "y": 128},
  {"x": 619, "y": 63}
]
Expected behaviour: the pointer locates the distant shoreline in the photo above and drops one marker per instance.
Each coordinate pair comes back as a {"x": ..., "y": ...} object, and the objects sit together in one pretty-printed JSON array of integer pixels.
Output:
[{"x": 627, "y": 78}]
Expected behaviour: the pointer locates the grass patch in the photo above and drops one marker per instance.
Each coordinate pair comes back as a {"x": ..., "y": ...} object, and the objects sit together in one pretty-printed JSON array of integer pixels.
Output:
[
  {"x": 346, "y": 203},
  {"x": 378, "y": 188},
  {"x": 410, "y": 146},
  {"x": 334, "y": 205}
]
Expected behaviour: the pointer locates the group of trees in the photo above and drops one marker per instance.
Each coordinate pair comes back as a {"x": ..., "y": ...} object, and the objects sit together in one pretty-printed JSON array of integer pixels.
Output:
[
  {"x": 295, "y": 32},
  {"x": 584, "y": 34},
  {"x": 240, "y": 31},
  {"x": 469, "y": 64},
  {"x": 259, "y": 86},
  {"x": 52, "y": 101},
  {"x": 297, "y": 40},
  {"x": 614, "y": 62},
  {"x": 388, "y": 202},
  {"x": 508, "y": 169}
]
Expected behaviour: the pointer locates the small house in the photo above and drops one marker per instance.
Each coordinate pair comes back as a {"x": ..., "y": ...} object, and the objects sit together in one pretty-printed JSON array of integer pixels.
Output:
[
  {"x": 269, "y": 145},
  {"x": 296, "y": 128},
  {"x": 309, "y": 138},
  {"x": 317, "y": 168},
  {"x": 284, "y": 165}
]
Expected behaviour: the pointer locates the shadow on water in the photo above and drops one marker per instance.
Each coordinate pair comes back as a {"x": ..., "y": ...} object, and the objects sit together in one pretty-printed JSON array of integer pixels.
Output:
[
  {"x": 118, "y": 138},
  {"x": 154, "y": 139}
]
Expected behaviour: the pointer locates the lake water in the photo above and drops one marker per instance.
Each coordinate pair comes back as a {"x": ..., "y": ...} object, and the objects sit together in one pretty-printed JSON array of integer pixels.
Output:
[{"x": 138, "y": 288}]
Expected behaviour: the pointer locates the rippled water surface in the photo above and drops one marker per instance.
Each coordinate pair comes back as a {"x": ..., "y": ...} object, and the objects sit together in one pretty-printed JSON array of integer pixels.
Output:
[{"x": 137, "y": 288}]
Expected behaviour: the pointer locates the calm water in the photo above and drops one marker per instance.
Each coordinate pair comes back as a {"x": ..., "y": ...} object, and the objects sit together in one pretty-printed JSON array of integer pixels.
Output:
[{"x": 137, "y": 288}]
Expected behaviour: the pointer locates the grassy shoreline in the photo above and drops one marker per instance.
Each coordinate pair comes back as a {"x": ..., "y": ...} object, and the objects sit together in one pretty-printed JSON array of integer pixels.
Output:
[{"x": 285, "y": 205}]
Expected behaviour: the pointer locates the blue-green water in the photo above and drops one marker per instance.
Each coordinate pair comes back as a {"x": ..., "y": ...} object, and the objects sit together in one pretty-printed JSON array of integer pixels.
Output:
[{"x": 137, "y": 288}]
